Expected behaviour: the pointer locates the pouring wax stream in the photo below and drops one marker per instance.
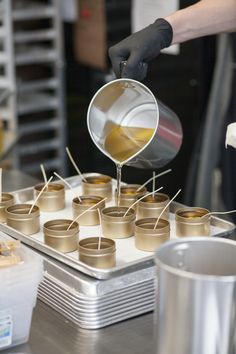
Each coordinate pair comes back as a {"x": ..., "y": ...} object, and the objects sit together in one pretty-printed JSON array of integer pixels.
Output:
[{"x": 123, "y": 143}]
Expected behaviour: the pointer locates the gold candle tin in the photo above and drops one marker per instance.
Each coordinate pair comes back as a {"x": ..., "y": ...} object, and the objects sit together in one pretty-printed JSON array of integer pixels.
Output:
[
  {"x": 91, "y": 217},
  {"x": 149, "y": 239},
  {"x": 103, "y": 258},
  {"x": 18, "y": 217},
  {"x": 129, "y": 194},
  {"x": 52, "y": 198},
  {"x": 115, "y": 224},
  {"x": 58, "y": 237},
  {"x": 7, "y": 200},
  {"x": 152, "y": 206},
  {"x": 192, "y": 222},
  {"x": 99, "y": 185}
]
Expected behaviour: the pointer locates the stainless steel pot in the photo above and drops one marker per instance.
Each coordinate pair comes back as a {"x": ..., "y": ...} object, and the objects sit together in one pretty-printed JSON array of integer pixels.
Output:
[
  {"x": 196, "y": 296},
  {"x": 128, "y": 104}
]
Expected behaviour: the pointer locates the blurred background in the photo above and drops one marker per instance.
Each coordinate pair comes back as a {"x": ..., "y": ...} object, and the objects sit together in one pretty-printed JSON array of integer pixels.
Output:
[{"x": 53, "y": 59}]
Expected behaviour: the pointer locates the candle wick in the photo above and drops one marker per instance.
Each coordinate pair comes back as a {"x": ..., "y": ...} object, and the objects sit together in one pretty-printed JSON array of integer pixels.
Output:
[
  {"x": 166, "y": 208},
  {"x": 42, "y": 190},
  {"x": 66, "y": 183},
  {"x": 218, "y": 212},
  {"x": 44, "y": 173},
  {"x": 74, "y": 164},
  {"x": 85, "y": 212},
  {"x": 154, "y": 177}
]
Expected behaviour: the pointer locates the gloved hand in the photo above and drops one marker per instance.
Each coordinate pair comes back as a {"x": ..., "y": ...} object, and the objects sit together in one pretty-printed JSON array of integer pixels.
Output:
[{"x": 140, "y": 48}]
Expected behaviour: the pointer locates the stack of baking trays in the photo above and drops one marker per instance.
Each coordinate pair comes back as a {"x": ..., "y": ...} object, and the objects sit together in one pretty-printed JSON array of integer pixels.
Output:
[{"x": 92, "y": 297}]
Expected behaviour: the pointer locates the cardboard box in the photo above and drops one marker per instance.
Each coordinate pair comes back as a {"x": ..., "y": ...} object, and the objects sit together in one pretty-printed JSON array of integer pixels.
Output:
[{"x": 90, "y": 34}]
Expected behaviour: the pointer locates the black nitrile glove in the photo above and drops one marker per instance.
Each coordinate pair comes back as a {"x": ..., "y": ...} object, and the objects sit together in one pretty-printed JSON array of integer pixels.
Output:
[{"x": 138, "y": 49}]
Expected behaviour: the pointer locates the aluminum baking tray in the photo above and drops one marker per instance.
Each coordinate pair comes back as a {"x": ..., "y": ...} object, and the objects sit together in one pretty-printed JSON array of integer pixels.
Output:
[
  {"x": 92, "y": 303},
  {"x": 129, "y": 258}
]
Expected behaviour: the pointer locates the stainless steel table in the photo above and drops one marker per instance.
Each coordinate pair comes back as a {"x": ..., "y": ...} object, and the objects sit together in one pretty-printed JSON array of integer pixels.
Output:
[{"x": 53, "y": 334}]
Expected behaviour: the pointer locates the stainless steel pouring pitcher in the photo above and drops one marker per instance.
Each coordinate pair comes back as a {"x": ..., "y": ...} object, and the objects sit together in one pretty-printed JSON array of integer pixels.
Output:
[
  {"x": 196, "y": 296},
  {"x": 131, "y": 106}
]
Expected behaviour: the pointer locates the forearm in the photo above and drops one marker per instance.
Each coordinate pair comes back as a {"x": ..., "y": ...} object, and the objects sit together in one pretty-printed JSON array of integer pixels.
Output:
[{"x": 203, "y": 18}]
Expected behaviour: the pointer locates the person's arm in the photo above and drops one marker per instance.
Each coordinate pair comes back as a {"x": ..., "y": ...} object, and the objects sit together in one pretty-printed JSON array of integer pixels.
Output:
[{"x": 203, "y": 18}]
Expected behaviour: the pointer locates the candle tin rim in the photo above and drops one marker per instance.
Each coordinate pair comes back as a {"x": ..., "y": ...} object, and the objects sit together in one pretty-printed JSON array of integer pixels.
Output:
[
  {"x": 83, "y": 197},
  {"x": 60, "y": 188},
  {"x": 60, "y": 233},
  {"x": 156, "y": 203},
  {"x": 179, "y": 215},
  {"x": 107, "y": 180},
  {"x": 96, "y": 252},
  {"x": 11, "y": 212},
  {"x": 131, "y": 213},
  {"x": 131, "y": 186},
  {"x": 7, "y": 198},
  {"x": 141, "y": 222}
]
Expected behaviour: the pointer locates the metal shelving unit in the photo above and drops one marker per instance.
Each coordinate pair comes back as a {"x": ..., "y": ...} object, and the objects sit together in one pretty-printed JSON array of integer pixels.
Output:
[{"x": 32, "y": 75}]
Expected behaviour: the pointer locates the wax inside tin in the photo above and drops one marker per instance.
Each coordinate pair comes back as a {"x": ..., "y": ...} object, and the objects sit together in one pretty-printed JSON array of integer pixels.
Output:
[
  {"x": 192, "y": 214},
  {"x": 50, "y": 188},
  {"x": 98, "y": 180},
  {"x": 150, "y": 226},
  {"x": 129, "y": 191},
  {"x": 154, "y": 199},
  {"x": 86, "y": 202}
]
